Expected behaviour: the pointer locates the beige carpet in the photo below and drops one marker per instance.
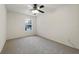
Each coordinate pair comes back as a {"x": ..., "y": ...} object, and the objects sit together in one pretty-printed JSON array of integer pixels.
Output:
[{"x": 36, "y": 45}]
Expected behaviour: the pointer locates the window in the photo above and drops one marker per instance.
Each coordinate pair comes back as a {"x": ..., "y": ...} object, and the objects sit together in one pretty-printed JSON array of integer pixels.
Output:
[{"x": 28, "y": 25}]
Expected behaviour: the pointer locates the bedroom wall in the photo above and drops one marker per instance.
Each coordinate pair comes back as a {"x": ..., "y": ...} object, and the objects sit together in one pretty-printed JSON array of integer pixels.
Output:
[
  {"x": 61, "y": 25},
  {"x": 16, "y": 25},
  {"x": 3, "y": 26}
]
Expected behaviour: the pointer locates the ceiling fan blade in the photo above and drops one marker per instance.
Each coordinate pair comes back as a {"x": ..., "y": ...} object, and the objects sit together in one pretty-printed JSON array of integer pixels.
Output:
[
  {"x": 41, "y": 11},
  {"x": 42, "y": 6}
]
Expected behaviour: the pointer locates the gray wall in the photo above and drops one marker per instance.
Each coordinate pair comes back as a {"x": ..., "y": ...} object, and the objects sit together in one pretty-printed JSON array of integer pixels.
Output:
[
  {"x": 16, "y": 25},
  {"x": 62, "y": 25},
  {"x": 3, "y": 26}
]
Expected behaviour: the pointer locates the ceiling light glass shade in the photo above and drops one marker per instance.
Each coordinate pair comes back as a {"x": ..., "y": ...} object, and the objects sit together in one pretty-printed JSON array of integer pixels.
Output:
[{"x": 35, "y": 11}]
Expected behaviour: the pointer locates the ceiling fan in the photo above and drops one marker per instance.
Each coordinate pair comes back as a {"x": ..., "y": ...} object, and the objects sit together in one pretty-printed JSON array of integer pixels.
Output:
[{"x": 36, "y": 9}]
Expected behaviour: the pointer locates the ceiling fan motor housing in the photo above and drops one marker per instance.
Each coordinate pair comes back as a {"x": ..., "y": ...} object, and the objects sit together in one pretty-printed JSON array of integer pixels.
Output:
[{"x": 37, "y": 8}]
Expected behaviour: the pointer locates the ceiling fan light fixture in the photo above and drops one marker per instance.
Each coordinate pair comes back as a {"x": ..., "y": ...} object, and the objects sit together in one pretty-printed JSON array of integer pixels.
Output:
[{"x": 35, "y": 11}]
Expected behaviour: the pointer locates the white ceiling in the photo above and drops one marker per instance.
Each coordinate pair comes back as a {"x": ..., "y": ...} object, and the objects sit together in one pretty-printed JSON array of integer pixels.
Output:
[{"x": 25, "y": 8}]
